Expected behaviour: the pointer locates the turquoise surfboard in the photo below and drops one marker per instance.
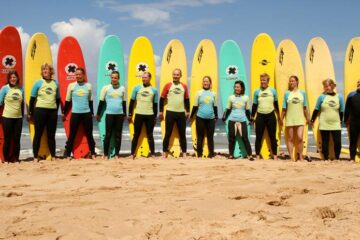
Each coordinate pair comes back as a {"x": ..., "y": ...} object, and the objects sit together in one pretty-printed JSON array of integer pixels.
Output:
[
  {"x": 232, "y": 69},
  {"x": 111, "y": 58}
]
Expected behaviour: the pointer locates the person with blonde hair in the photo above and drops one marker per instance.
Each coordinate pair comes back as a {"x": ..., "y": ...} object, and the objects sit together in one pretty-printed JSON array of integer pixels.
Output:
[
  {"x": 294, "y": 108},
  {"x": 330, "y": 108},
  {"x": 43, "y": 107}
]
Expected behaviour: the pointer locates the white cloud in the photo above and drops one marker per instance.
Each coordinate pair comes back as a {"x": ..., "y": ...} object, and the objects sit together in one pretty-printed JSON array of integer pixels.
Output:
[
  {"x": 89, "y": 33},
  {"x": 25, "y": 37},
  {"x": 159, "y": 13}
]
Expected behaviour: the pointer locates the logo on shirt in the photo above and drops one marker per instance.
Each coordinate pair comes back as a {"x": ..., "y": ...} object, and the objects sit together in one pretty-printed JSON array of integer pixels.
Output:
[
  {"x": 9, "y": 61},
  {"x": 177, "y": 90},
  {"x": 237, "y": 104},
  {"x": 49, "y": 91},
  {"x": 264, "y": 94},
  {"x": 111, "y": 66},
  {"x": 145, "y": 94},
  {"x": 114, "y": 94},
  {"x": 80, "y": 92},
  {"x": 70, "y": 69},
  {"x": 232, "y": 70},
  {"x": 295, "y": 100},
  {"x": 207, "y": 99},
  {"x": 15, "y": 96},
  {"x": 332, "y": 103}
]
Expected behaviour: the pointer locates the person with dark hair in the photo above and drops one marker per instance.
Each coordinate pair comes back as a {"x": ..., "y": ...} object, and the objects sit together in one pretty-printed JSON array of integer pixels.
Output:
[
  {"x": 205, "y": 108},
  {"x": 80, "y": 95},
  {"x": 294, "y": 108},
  {"x": 330, "y": 107},
  {"x": 238, "y": 112},
  {"x": 352, "y": 119},
  {"x": 265, "y": 106},
  {"x": 43, "y": 107},
  {"x": 112, "y": 98},
  {"x": 12, "y": 98},
  {"x": 146, "y": 98},
  {"x": 177, "y": 110}
]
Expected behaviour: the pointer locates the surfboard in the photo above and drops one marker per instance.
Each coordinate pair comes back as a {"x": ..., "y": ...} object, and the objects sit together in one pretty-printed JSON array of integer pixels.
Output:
[
  {"x": 232, "y": 69},
  {"x": 111, "y": 58},
  {"x": 37, "y": 53},
  {"x": 173, "y": 57},
  {"x": 288, "y": 63},
  {"x": 141, "y": 59},
  {"x": 204, "y": 64},
  {"x": 11, "y": 59},
  {"x": 352, "y": 72},
  {"x": 69, "y": 58},
  {"x": 318, "y": 67},
  {"x": 263, "y": 56}
]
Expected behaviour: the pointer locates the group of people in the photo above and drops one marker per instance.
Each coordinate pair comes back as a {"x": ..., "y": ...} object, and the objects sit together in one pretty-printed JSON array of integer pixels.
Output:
[{"x": 265, "y": 114}]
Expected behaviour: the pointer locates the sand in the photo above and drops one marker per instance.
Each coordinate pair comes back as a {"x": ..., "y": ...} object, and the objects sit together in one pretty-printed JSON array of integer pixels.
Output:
[{"x": 187, "y": 199}]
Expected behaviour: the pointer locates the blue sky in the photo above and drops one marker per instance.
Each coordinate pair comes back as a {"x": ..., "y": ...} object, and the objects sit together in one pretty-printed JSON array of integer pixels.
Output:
[{"x": 190, "y": 21}]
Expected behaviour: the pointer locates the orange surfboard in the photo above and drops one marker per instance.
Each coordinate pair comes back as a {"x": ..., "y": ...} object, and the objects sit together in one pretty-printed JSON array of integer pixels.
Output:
[
  {"x": 70, "y": 57},
  {"x": 11, "y": 59}
]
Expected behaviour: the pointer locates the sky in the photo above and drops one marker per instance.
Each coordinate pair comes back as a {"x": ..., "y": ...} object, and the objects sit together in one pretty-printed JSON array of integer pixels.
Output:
[{"x": 187, "y": 20}]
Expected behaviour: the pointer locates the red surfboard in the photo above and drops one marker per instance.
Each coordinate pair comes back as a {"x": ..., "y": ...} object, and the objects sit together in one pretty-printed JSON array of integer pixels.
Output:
[
  {"x": 70, "y": 57},
  {"x": 11, "y": 59}
]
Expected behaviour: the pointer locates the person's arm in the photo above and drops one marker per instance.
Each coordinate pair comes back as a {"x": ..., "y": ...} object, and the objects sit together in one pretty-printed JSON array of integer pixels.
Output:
[
  {"x": 91, "y": 103},
  {"x": 57, "y": 96},
  {"x": 68, "y": 99},
  {"x": 124, "y": 107},
  {"x": 226, "y": 114},
  {"x": 155, "y": 102},
  {"x": 194, "y": 111},
  {"x": 342, "y": 108},
  {"x": 31, "y": 105},
  {"x": 276, "y": 103},
  {"x": 33, "y": 96},
  {"x": 100, "y": 107},
  {"x": 163, "y": 96},
  {"x": 131, "y": 107},
  {"x": 186, "y": 99},
  {"x": 3, "y": 93},
  {"x": 255, "y": 105},
  {"x": 317, "y": 108},
  {"x": 195, "y": 107},
  {"x": 66, "y": 107},
  {"x": 347, "y": 109},
  {"x": 91, "y": 106}
]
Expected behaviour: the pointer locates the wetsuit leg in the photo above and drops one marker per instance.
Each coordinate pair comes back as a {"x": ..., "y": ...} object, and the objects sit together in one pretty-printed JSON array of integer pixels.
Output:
[
  {"x": 88, "y": 127},
  {"x": 337, "y": 142},
  {"x": 8, "y": 127},
  {"x": 325, "y": 143},
  {"x": 210, "y": 129},
  {"x": 51, "y": 125},
  {"x": 74, "y": 126},
  {"x": 354, "y": 136},
  {"x": 245, "y": 138},
  {"x": 109, "y": 123},
  {"x": 271, "y": 127},
  {"x": 181, "y": 124},
  {"x": 259, "y": 131},
  {"x": 40, "y": 119},
  {"x": 18, "y": 122},
  {"x": 200, "y": 134},
  {"x": 118, "y": 132},
  {"x": 149, "y": 125},
  {"x": 138, "y": 122},
  {"x": 232, "y": 137},
  {"x": 169, "y": 124}
]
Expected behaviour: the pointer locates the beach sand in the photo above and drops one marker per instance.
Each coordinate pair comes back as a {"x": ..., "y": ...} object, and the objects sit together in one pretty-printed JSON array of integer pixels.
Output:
[{"x": 183, "y": 199}]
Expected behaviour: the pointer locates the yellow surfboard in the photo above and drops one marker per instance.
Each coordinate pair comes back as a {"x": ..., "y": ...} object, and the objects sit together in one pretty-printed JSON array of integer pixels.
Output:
[
  {"x": 174, "y": 57},
  {"x": 37, "y": 53},
  {"x": 263, "y": 56},
  {"x": 352, "y": 72},
  {"x": 288, "y": 63},
  {"x": 318, "y": 67},
  {"x": 204, "y": 64},
  {"x": 141, "y": 59}
]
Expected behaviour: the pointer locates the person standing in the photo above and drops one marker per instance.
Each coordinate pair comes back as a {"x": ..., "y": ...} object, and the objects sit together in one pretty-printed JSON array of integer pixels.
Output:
[
  {"x": 176, "y": 95},
  {"x": 352, "y": 119},
  {"x": 146, "y": 98},
  {"x": 43, "y": 107},
  {"x": 12, "y": 98},
  {"x": 113, "y": 97},
  {"x": 205, "y": 108},
  {"x": 265, "y": 106},
  {"x": 294, "y": 108},
  {"x": 80, "y": 95},
  {"x": 330, "y": 107},
  {"x": 238, "y": 112}
]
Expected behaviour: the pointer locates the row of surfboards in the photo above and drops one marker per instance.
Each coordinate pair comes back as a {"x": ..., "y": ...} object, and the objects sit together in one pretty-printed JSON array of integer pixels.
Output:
[{"x": 224, "y": 71}]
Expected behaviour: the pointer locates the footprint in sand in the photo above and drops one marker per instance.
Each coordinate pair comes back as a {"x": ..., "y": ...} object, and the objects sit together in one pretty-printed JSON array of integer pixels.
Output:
[
  {"x": 324, "y": 212},
  {"x": 12, "y": 194},
  {"x": 241, "y": 234}
]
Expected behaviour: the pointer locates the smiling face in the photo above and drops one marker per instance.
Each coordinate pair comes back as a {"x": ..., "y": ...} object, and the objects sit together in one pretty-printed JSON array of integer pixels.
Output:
[
  {"x": 264, "y": 81},
  {"x": 114, "y": 79},
  {"x": 46, "y": 72},
  {"x": 13, "y": 80},
  {"x": 206, "y": 83},
  {"x": 176, "y": 75},
  {"x": 237, "y": 89},
  {"x": 146, "y": 78},
  {"x": 328, "y": 87},
  {"x": 293, "y": 83},
  {"x": 79, "y": 76}
]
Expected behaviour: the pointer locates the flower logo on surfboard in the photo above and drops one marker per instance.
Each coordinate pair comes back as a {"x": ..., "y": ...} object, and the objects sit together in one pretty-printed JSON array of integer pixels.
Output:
[
  {"x": 70, "y": 70},
  {"x": 141, "y": 68},
  {"x": 111, "y": 66},
  {"x": 9, "y": 61}
]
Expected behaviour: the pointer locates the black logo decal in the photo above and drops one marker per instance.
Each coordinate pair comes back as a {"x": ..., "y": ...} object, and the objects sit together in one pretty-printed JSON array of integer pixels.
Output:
[
  {"x": 168, "y": 56},
  {"x": 33, "y": 50},
  {"x": 332, "y": 103},
  {"x": 351, "y": 54},
  {"x": 48, "y": 91},
  {"x": 265, "y": 94},
  {"x": 145, "y": 94},
  {"x": 311, "y": 55},
  {"x": 200, "y": 54},
  {"x": 177, "y": 90},
  {"x": 264, "y": 62},
  {"x": 281, "y": 56},
  {"x": 142, "y": 68},
  {"x": 295, "y": 100},
  {"x": 15, "y": 96},
  {"x": 111, "y": 67}
]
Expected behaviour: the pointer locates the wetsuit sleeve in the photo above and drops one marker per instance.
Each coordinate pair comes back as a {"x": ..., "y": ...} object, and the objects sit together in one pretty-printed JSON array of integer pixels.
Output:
[
  {"x": 90, "y": 94},
  {"x": 226, "y": 114},
  {"x": 305, "y": 99},
  {"x": 162, "y": 104},
  {"x": 134, "y": 93},
  {"x": 255, "y": 103},
  {"x": 131, "y": 107},
  {"x": 155, "y": 101},
  {"x": 91, "y": 106},
  {"x": 216, "y": 112},
  {"x": 57, "y": 90},
  {"x": 347, "y": 108},
  {"x": 100, "y": 107},
  {"x": 155, "y": 108},
  {"x": 187, "y": 105},
  {"x": 196, "y": 100},
  {"x": 124, "y": 107},
  {"x": 68, "y": 93},
  {"x": 57, "y": 103},
  {"x": 215, "y": 100},
  {"x": 165, "y": 90},
  {"x": 22, "y": 103},
  {"x": 186, "y": 98},
  {"x": 66, "y": 107},
  {"x": 35, "y": 88},
  {"x": 247, "y": 113},
  {"x": 319, "y": 102},
  {"x": 31, "y": 105},
  {"x": 342, "y": 108},
  {"x": 194, "y": 111},
  {"x": 284, "y": 103},
  {"x": 103, "y": 93}
]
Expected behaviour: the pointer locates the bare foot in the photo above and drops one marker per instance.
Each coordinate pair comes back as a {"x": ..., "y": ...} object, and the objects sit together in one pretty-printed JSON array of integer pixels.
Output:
[
  {"x": 257, "y": 157},
  {"x": 275, "y": 157}
]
